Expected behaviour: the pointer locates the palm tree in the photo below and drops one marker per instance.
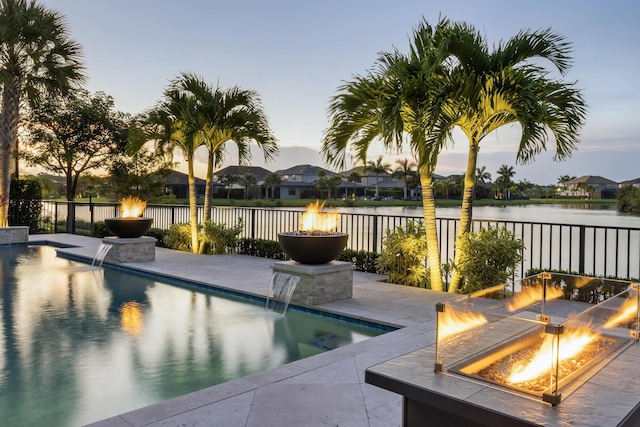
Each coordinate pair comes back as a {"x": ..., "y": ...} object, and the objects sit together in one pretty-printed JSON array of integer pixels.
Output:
[
  {"x": 378, "y": 167},
  {"x": 482, "y": 177},
  {"x": 354, "y": 178},
  {"x": 504, "y": 181},
  {"x": 247, "y": 181},
  {"x": 271, "y": 181},
  {"x": 227, "y": 115},
  {"x": 177, "y": 126},
  {"x": 37, "y": 59},
  {"x": 392, "y": 103},
  {"x": 403, "y": 172},
  {"x": 482, "y": 91}
]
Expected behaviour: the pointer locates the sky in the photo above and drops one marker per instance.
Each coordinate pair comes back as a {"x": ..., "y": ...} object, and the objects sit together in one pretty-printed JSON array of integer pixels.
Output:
[{"x": 297, "y": 53}]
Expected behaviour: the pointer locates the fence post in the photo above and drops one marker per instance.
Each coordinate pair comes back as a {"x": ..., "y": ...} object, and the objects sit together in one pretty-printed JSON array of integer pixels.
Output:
[
  {"x": 55, "y": 218},
  {"x": 582, "y": 250},
  {"x": 375, "y": 234},
  {"x": 253, "y": 223}
]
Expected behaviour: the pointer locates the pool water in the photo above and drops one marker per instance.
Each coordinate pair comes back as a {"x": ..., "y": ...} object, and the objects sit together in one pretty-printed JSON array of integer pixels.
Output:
[{"x": 79, "y": 344}]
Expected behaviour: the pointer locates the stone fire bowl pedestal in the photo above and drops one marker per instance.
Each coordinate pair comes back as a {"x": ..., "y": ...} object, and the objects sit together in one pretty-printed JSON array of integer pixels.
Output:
[
  {"x": 319, "y": 283},
  {"x": 138, "y": 249}
]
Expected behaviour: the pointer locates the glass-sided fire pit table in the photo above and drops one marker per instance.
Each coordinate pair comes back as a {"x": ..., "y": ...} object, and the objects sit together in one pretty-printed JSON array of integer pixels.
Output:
[{"x": 550, "y": 349}]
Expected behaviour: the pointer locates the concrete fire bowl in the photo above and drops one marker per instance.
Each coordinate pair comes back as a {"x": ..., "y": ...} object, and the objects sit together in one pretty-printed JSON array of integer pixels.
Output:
[
  {"x": 312, "y": 248},
  {"x": 128, "y": 228}
]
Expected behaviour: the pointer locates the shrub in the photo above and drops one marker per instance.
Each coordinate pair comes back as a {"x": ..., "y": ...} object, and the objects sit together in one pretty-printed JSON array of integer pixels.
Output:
[
  {"x": 25, "y": 205},
  {"x": 178, "y": 237},
  {"x": 403, "y": 257},
  {"x": 219, "y": 238},
  {"x": 488, "y": 257},
  {"x": 362, "y": 260},
  {"x": 261, "y": 248},
  {"x": 100, "y": 230},
  {"x": 159, "y": 234}
]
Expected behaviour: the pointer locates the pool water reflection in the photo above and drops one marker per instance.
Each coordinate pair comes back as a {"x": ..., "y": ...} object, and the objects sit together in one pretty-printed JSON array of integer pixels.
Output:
[{"x": 79, "y": 344}]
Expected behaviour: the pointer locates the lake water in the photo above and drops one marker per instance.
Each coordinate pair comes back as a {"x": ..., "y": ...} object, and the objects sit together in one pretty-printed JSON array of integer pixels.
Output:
[{"x": 586, "y": 214}]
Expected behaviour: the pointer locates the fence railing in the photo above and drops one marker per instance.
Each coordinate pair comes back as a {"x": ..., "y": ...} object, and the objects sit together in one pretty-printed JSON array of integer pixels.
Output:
[{"x": 585, "y": 249}]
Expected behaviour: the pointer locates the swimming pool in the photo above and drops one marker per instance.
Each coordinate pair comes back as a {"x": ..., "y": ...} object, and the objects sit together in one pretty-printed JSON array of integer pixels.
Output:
[{"x": 79, "y": 344}]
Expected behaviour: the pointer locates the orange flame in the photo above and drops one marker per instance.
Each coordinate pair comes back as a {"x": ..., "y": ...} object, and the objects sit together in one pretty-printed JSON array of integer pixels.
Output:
[
  {"x": 316, "y": 220},
  {"x": 571, "y": 343},
  {"x": 627, "y": 312},
  {"x": 531, "y": 294},
  {"x": 451, "y": 322},
  {"x": 132, "y": 207},
  {"x": 131, "y": 318}
]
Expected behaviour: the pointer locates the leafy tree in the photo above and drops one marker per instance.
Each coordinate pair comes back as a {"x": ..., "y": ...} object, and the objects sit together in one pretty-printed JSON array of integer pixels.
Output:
[
  {"x": 228, "y": 180},
  {"x": 629, "y": 199},
  {"x": 482, "y": 90},
  {"x": 38, "y": 60},
  {"x": 71, "y": 136},
  {"x": 378, "y": 167},
  {"x": 333, "y": 182},
  {"x": 141, "y": 174},
  {"x": 404, "y": 171},
  {"x": 271, "y": 181}
]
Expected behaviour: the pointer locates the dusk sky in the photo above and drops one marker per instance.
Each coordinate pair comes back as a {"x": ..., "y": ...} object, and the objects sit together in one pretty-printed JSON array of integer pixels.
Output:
[{"x": 295, "y": 54}]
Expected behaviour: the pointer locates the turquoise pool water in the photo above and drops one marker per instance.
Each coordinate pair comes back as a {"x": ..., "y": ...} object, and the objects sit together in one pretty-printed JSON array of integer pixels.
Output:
[{"x": 79, "y": 344}]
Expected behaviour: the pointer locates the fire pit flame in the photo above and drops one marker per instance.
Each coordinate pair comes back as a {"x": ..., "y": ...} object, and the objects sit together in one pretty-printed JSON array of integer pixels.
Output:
[
  {"x": 132, "y": 207},
  {"x": 572, "y": 343},
  {"x": 315, "y": 220}
]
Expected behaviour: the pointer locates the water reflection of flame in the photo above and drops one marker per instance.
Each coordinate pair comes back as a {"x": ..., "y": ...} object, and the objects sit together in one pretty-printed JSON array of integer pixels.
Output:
[
  {"x": 451, "y": 322},
  {"x": 571, "y": 344},
  {"x": 314, "y": 219},
  {"x": 131, "y": 318}
]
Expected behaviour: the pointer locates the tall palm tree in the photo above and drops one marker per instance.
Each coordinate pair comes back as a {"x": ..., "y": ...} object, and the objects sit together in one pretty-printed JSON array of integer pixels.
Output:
[
  {"x": 403, "y": 172},
  {"x": 177, "y": 126},
  {"x": 378, "y": 167},
  {"x": 37, "y": 58},
  {"x": 483, "y": 90},
  {"x": 391, "y": 104},
  {"x": 248, "y": 180},
  {"x": 227, "y": 115}
]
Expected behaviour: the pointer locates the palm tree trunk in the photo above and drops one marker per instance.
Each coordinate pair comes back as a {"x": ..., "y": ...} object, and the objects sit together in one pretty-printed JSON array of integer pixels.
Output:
[
  {"x": 431, "y": 230},
  {"x": 8, "y": 140},
  {"x": 193, "y": 212},
  {"x": 208, "y": 189},
  {"x": 466, "y": 214}
]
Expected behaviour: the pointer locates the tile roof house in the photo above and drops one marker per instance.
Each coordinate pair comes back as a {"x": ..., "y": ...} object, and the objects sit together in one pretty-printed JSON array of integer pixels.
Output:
[
  {"x": 589, "y": 186},
  {"x": 298, "y": 182},
  {"x": 177, "y": 183}
]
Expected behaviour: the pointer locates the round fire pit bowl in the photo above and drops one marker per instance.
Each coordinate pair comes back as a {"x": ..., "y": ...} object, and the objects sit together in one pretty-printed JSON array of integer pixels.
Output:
[
  {"x": 128, "y": 228},
  {"x": 310, "y": 248}
]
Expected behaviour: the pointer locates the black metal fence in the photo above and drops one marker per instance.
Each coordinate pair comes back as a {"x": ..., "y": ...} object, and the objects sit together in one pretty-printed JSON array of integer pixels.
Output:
[{"x": 585, "y": 249}]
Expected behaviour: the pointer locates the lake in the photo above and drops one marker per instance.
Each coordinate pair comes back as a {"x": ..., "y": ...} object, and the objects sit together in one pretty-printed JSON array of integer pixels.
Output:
[{"x": 586, "y": 214}]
